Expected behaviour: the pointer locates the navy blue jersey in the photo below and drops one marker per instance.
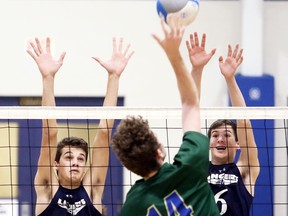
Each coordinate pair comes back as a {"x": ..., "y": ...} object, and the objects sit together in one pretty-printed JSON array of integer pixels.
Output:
[
  {"x": 71, "y": 202},
  {"x": 230, "y": 193}
]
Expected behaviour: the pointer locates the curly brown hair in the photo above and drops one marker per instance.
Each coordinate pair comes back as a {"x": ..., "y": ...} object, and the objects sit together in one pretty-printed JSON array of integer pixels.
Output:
[{"x": 136, "y": 146}]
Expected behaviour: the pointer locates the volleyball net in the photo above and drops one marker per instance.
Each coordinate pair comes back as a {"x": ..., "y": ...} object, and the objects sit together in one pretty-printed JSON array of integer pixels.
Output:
[{"x": 20, "y": 135}]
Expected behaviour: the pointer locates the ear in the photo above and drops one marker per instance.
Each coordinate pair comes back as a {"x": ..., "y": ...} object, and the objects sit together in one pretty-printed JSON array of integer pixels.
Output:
[
  {"x": 161, "y": 153},
  {"x": 56, "y": 165},
  {"x": 238, "y": 145}
]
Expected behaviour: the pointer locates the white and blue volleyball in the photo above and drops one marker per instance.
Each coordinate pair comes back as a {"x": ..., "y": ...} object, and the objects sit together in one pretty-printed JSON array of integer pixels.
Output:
[{"x": 184, "y": 10}]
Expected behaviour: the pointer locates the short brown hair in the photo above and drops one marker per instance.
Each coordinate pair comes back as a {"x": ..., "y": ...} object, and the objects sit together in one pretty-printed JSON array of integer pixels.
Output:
[
  {"x": 74, "y": 142},
  {"x": 136, "y": 145},
  {"x": 222, "y": 122}
]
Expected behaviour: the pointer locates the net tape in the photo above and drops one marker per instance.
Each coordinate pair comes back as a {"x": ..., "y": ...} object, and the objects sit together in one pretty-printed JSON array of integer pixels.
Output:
[{"x": 38, "y": 112}]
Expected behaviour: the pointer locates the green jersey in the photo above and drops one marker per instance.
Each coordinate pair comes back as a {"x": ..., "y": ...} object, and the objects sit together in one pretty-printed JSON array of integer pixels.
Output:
[{"x": 180, "y": 188}]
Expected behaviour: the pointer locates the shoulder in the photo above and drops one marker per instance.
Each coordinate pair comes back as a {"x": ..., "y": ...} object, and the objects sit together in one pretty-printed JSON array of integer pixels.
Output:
[
  {"x": 194, "y": 135},
  {"x": 193, "y": 152},
  {"x": 196, "y": 139},
  {"x": 44, "y": 201}
]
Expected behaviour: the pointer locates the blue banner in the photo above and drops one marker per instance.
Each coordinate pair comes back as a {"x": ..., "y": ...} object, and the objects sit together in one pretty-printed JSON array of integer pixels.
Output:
[{"x": 260, "y": 91}]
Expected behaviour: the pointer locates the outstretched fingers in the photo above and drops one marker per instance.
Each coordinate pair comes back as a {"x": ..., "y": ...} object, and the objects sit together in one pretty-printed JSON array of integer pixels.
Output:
[
  {"x": 97, "y": 59},
  {"x": 240, "y": 60},
  {"x": 32, "y": 54},
  {"x": 120, "y": 46},
  {"x": 229, "y": 54},
  {"x": 61, "y": 58},
  {"x": 221, "y": 59},
  {"x": 48, "y": 47},
  {"x": 213, "y": 51},
  {"x": 35, "y": 48},
  {"x": 126, "y": 49},
  {"x": 176, "y": 32},
  {"x": 235, "y": 51},
  {"x": 114, "y": 44},
  {"x": 192, "y": 43},
  {"x": 239, "y": 56},
  {"x": 203, "y": 41},
  {"x": 39, "y": 47},
  {"x": 188, "y": 46},
  {"x": 156, "y": 38},
  {"x": 180, "y": 31},
  {"x": 128, "y": 55},
  {"x": 196, "y": 39},
  {"x": 165, "y": 27}
]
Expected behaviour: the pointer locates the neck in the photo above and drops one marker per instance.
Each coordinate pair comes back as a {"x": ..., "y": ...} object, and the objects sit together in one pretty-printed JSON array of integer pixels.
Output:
[
  {"x": 70, "y": 185},
  {"x": 219, "y": 162},
  {"x": 151, "y": 174}
]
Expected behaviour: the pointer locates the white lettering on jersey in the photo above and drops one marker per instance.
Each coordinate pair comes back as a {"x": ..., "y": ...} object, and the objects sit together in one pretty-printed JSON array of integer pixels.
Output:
[
  {"x": 72, "y": 209},
  {"x": 222, "y": 179}
]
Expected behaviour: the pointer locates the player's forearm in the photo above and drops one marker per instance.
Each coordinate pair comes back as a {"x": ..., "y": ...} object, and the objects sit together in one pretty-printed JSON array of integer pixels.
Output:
[
  {"x": 186, "y": 85},
  {"x": 48, "y": 99},
  {"x": 196, "y": 74},
  {"x": 235, "y": 93},
  {"x": 110, "y": 99}
]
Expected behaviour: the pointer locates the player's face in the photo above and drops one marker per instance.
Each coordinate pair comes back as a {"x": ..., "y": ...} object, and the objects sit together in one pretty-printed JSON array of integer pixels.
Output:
[
  {"x": 71, "y": 166},
  {"x": 223, "y": 145}
]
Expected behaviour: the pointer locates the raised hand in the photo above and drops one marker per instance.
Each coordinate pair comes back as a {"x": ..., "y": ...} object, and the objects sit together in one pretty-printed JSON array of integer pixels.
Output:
[
  {"x": 43, "y": 58},
  {"x": 119, "y": 59},
  {"x": 172, "y": 39},
  {"x": 234, "y": 58},
  {"x": 197, "y": 53}
]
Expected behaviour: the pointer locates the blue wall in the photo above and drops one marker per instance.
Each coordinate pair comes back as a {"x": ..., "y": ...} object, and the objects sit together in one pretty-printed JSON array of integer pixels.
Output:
[{"x": 259, "y": 91}]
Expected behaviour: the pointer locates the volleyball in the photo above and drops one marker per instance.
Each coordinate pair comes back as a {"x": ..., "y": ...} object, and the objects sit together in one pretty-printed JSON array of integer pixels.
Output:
[{"x": 184, "y": 11}]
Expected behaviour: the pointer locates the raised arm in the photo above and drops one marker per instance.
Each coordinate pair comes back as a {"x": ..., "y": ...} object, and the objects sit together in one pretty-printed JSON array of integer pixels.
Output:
[
  {"x": 186, "y": 85},
  {"x": 48, "y": 68},
  {"x": 100, "y": 148},
  {"x": 198, "y": 57},
  {"x": 248, "y": 162}
]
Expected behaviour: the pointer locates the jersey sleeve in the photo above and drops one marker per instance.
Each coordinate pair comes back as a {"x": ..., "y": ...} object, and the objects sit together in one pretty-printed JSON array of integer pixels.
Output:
[{"x": 194, "y": 152}]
